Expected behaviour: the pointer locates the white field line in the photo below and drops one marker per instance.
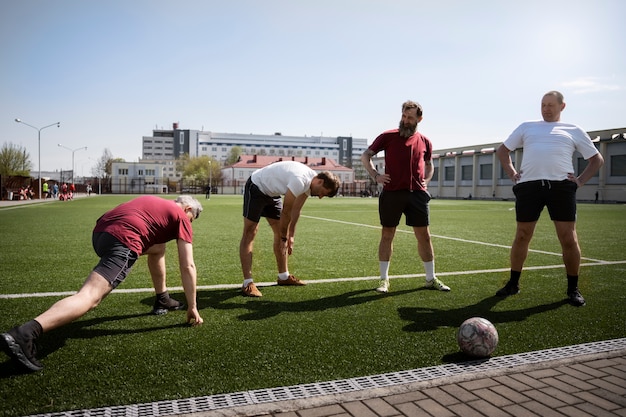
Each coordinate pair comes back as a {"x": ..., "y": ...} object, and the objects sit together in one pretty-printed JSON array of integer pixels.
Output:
[
  {"x": 316, "y": 281},
  {"x": 477, "y": 242},
  {"x": 594, "y": 262}
]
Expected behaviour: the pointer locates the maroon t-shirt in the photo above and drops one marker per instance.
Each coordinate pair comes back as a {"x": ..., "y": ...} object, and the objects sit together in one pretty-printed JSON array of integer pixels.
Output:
[
  {"x": 404, "y": 159},
  {"x": 146, "y": 221}
]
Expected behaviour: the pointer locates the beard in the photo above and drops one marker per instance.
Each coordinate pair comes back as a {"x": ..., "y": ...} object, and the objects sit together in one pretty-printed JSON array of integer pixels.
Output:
[{"x": 406, "y": 130}]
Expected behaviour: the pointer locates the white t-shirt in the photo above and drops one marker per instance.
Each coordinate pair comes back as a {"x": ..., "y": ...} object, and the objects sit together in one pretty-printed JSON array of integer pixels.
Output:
[
  {"x": 549, "y": 148},
  {"x": 275, "y": 179}
]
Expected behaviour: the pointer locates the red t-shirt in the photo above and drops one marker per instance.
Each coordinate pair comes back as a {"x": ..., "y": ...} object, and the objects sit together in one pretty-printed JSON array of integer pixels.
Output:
[
  {"x": 404, "y": 159},
  {"x": 146, "y": 221}
]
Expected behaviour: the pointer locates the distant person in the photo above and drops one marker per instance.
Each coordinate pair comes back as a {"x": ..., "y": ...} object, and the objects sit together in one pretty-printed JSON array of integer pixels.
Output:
[
  {"x": 546, "y": 178},
  {"x": 45, "y": 190},
  {"x": 408, "y": 170},
  {"x": 262, "y": 198},
  {"x": 55, "y": 190},
  {"x": 208, "y": 192},
  {"x": 141, "y": 226}
]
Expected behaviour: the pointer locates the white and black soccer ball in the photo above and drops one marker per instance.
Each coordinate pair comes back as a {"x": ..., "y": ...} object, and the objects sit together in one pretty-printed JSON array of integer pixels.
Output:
[{"x": 477, "y": 337}]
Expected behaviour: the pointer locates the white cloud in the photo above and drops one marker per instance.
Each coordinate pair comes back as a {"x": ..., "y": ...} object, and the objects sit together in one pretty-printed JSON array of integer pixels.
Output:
[{"x": 586, "y": 85}]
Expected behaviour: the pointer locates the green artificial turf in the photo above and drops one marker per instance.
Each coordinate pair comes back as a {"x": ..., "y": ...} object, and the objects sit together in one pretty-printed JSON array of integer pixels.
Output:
[{"x": 118, "y": 354}]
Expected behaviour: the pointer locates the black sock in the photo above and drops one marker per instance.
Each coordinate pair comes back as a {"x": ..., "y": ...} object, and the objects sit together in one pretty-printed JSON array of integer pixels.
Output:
[
  {"x": 572, "y": 283},
  {"x": 514, "y": 280},
  {"x": 32, "y": 329},
  {"x": 163, "y": 297}
]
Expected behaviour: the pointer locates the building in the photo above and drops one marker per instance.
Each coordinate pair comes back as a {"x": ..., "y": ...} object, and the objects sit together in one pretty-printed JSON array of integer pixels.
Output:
[
  {"x": 235, "y": 176},
  {"x": 476, "y": 170},
  {"x": 168, "y": 145},
  {"x": 146, "y": 177}
]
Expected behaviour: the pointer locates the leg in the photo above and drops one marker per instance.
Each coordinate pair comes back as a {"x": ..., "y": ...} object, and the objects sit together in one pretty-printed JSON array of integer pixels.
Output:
[
  {"x": 427, "y": 255},
  {"x": 246, "y": 245},
  {"x": 424, "y": 244},
  {"x": 521, "y": 242},
  {"x": 566, "y": 232},
  {"x": 519, "y": 252},
  {"x": 75, "y": 306},
  {"x": 156, "y": 265},
  {"x": 280, "y": 255},
  {"x": 385, "y": 247}
]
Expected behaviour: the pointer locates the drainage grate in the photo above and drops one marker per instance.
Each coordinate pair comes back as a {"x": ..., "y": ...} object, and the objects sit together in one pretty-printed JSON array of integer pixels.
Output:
[{"x": 215, "y": 402}]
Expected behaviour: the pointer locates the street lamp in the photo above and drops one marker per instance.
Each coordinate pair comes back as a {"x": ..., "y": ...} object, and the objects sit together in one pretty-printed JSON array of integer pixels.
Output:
[
  {"x": 39, "y": 129},
  {"x": 73, "y": 150},
  {"x": 210, "y": 175}
]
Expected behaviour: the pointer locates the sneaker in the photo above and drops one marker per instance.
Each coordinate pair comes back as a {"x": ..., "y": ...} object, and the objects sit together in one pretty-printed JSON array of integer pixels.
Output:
[
  {"x": 383, "y": 286},
  {"x": 435, "y": 284},
  {"x": 21, "y": 349},
  {"x": 162, "y": 307},
  {"x": 251, "y": 290},
  {"x": 575, "y": 298},
  {"x": 291, "y": 280},
  {"x": 508, "y": 289}
]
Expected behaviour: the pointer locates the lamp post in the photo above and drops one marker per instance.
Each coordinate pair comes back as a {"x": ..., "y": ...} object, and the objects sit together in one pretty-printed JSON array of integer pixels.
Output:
[
  {"x": 73, "y": 150},
  {"x": 39, "y": 129},
  {"x": 210, "y": 178}
]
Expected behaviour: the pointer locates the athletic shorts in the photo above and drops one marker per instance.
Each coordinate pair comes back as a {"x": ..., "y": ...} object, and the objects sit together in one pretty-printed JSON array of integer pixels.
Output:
[
  {"x": 532, "y": 196},
  {"x": 116, "y": 260},
  {"x": 257, "y": 205},
  {"x": 413, "y": 204}
]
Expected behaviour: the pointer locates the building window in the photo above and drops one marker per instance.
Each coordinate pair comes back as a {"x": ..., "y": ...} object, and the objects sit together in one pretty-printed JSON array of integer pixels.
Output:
[
  {"x": 435, "y": 174},
  {"x": 618, "y": 165},
  {"x": 181, "y": 138},
  {"x": 122, "y": 171},
  {"x": 466, "y": 172},
  {"x": 486, "y": 171},
  {"x": 449, "y": 173}
]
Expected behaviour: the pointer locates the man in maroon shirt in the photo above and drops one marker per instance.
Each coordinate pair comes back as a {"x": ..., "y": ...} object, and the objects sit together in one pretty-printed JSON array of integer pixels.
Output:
[
  {"x": 141, "y": 226},
  {"x": 408, "y": 169}
]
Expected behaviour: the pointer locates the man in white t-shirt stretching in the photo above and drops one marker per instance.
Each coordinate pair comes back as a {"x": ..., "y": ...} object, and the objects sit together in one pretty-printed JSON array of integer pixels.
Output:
[
  {"x": 546, "y": 179},
  {"x": 262, "y": 198}
]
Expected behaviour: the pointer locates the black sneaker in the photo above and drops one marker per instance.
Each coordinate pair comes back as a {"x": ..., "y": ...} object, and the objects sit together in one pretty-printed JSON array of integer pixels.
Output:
[
  {"x": 162, "y": 307},
  {"x": 575, "y": 298},
  {"x": 21, "y": 349},
  {"x": 508, "y": 289}
]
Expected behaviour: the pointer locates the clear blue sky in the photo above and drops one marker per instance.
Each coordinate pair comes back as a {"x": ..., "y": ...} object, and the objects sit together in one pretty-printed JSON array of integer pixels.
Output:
[{"x": 111, "y": 71}]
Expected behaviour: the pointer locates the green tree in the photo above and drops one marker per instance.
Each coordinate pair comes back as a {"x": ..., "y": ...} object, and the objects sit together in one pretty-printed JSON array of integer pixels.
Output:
[
  {"x": 197, "y": 169},
  {"x": 235, "y": 153},
  {"x": 14, "y": 160}
]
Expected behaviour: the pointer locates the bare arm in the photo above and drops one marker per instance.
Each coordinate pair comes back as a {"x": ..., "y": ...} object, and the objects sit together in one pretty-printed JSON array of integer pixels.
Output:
[
  {"x": 595, "y": 162},
  {"x": 292, "y": 206},
  {"x": 189, "y": 279},
  {"x": 366, "y": 160},
  {"x": 429, "y": 171},
  {"x": 504, "y": 155}
]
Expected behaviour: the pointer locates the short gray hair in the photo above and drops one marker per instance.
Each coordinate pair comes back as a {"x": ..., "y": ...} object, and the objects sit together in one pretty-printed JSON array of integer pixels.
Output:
[{"x": 189, "y": 201}]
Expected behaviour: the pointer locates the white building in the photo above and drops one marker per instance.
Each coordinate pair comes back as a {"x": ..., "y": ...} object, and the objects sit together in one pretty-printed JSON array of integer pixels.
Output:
[
  {"x": 144, "y": 177},
  {"x": 167, "y": 145}
]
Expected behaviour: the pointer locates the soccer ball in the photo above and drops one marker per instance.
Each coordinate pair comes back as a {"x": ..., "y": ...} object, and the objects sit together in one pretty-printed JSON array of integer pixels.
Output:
[{"x": 477, "y": 337}]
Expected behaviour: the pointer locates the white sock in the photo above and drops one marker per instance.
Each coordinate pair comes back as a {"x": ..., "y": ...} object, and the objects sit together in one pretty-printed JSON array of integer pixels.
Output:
[
  {"x": 247, "y": 281},
  {"x": 283, "y": 275},
  {"x": 384, "y": 270},
  {"x": 430, "y": 270}
]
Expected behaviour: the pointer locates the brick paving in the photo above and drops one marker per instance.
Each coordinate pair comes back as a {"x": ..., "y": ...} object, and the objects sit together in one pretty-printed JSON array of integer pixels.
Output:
[{"x": 585, "y": 386}]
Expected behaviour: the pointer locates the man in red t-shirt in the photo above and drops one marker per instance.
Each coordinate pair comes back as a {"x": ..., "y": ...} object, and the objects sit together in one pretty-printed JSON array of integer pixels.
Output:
[
  {"x": 408, "y": 169},
  {"x": 141, "y": 226}
]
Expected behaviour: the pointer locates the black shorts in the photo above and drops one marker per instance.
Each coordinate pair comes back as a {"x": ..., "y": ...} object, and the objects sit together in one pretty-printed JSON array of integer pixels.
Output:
[
  {"x": 532, "y": 196},
  {"x": 413, "y": 204},
  {"x": 116, "y": 260},
  {"x": 257, "y": 205}
]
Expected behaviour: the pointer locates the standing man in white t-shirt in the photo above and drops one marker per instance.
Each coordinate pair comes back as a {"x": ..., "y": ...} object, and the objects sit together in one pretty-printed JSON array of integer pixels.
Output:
[
  {"x": 262, "y": 198},
  {"x": 546, "y": 178}
]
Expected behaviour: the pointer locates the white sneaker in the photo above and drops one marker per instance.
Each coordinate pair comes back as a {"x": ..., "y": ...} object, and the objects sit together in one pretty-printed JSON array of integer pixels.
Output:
[
  {"x": 383, "y": 286},
  {"x": 435, "y": 284}
]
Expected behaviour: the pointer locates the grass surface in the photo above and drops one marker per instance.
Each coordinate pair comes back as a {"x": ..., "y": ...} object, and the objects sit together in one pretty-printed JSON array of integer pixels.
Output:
[{"x": 118, "y": 354}]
